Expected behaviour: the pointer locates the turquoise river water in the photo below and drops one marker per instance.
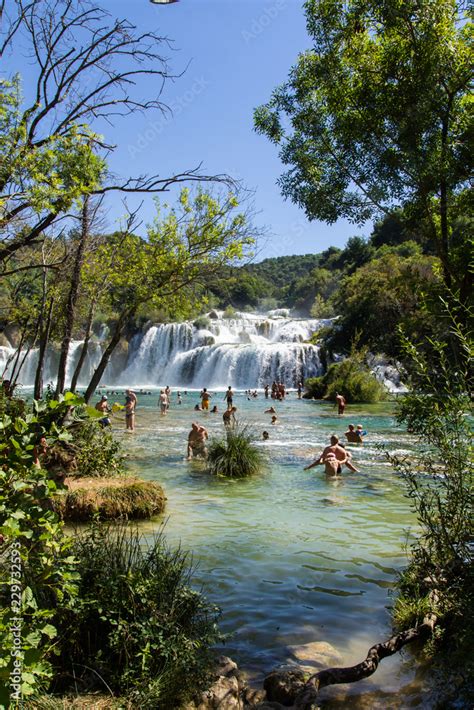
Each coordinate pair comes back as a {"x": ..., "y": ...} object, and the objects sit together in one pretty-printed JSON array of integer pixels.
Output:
[{"x": 291, "y": 557}]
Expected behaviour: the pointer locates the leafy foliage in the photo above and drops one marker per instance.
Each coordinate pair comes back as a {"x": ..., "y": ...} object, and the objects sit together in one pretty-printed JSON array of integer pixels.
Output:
[
  {"x": 235, "y": 455},
  {"x": 45, "y": 570},
  {"x": 439, "y": 481},
  {"x": 376, "y": 115},
  {"x": 138, "y": 623},
  {"x": 351, "y": 377},
  {"x": 97, "y": 452}
]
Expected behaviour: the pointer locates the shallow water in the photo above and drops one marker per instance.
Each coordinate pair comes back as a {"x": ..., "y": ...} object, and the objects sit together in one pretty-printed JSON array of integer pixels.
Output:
[{"x": 289, "y": 556}]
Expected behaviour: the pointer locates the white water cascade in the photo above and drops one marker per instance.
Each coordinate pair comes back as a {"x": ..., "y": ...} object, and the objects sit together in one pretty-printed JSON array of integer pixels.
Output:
[{"x": 245, "y": 351}]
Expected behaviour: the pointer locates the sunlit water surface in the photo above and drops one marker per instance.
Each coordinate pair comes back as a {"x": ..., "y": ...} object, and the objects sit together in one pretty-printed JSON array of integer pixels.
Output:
[{"x": 290, "y": 557}]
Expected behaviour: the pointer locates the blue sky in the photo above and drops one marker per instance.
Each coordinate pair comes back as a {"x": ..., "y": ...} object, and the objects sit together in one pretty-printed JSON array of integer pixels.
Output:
[{"x": 237, "y": 52}]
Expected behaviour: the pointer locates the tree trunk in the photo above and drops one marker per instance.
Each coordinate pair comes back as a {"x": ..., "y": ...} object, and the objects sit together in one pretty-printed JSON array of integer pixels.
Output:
[
  {"x": 72, "y": 297},
  {"x": 18, "y": 354},
  {"x": 38, "y": 389},
  {"x": 443, "y": 206},
  {"x": 84, "y": 349},
  {"x": 104, "y": 361}
]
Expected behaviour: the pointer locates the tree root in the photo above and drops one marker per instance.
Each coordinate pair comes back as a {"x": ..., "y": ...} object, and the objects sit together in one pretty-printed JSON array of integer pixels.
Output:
[{"x": 305, "y": 698}]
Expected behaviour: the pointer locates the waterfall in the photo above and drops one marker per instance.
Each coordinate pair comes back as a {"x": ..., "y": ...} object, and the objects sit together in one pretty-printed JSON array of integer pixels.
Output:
[
  {"x": 27, "y": 374},
  {"x": 245, "y": 351}
]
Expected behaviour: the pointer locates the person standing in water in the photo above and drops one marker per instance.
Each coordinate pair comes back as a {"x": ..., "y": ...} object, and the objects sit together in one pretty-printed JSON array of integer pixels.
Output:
[
  {"x": 339, "y": 452},
  {"x": 103, "y": 407},
  {"x": 229, "y": 397},
  {"x": 332, "y": 467},
  {"x": 229, "y": 417},
  {"x": 130, "y": 412},
  {"x": 300, "y": 390},
  {"x": 164, "y": 403},
  {"x": 341, "y": 403},
  {"x": 197, "y": 441},
  {"x": 205, "y": 399},
  {"x": 168, "y": 395}
]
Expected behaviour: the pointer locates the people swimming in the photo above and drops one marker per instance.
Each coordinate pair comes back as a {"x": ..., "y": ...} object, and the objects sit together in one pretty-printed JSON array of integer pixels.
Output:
[
  {"x": 342, "y": 456},
  {"x": 265, "y": 435},
  {"x": 275, "y": 419},
  {"x": 214, "y": 410},
  {"x": 271, "y": 410}
]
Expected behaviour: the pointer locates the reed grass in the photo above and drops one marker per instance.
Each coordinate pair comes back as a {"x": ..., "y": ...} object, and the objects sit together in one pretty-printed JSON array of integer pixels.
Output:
[
  {"x": 235, "y": 455},
  {"x": 110, "y": 499}
]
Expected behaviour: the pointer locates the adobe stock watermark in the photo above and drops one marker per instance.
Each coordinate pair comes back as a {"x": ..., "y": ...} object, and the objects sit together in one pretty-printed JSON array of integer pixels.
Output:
[
  {"x": 155, "y": 128},
  {"x": 260, "y": 23},
  {"x": 16, "y": 621}
]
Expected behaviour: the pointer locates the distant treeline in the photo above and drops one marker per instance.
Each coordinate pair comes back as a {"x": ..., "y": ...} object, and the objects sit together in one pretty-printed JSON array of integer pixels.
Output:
[{"x": 374, "y": 284}]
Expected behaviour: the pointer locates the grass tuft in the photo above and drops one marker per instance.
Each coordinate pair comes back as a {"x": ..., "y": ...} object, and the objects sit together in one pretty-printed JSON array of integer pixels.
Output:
[
  {"x": 109, "y": 499},
  {"x": 235, "y": 455}
]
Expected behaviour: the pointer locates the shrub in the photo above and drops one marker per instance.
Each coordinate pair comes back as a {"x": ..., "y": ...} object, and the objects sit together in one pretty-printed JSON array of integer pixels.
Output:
[
  {"x": 202, "y": 323},
  {"x": 439, "y": 481},
  {"x": 138, "y": 623},
  {"x": 97, "y": 453},
  {"x": 132, "y": 499},
  {"x": 352, "y": 378},
  {"x": 229, "y": 312},
  {"x": 37, "y": 569},
  {"x": 235, "y": 455}
]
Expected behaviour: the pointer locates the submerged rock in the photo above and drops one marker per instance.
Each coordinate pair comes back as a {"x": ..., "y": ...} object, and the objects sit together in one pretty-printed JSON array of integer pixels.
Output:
[{"x": 317, "y": 654}]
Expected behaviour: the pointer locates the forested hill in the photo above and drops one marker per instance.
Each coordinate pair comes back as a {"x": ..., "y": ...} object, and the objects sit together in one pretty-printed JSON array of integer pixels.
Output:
[
  {"x": 282, "y": 270},
  {"x": 374, "y": 285}
]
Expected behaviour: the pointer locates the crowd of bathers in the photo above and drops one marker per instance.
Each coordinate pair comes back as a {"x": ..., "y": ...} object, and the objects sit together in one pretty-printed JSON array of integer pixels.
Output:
[{"x": 333, "y": 457}]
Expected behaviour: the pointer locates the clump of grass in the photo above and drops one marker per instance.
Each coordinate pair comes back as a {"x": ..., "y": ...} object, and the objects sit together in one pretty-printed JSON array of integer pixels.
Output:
[
  {"x": 235, "y": 455},
  {"x": 132, "y": 499},
  {"x": 138, "y": 628}
]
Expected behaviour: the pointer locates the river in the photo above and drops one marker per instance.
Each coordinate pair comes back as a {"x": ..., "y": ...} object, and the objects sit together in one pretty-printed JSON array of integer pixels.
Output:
[{"x": 291, "y": 557}]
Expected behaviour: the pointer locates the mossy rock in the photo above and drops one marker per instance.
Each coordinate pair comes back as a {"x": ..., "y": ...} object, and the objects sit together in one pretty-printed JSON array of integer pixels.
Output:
[{"x": 110, "y": 498}]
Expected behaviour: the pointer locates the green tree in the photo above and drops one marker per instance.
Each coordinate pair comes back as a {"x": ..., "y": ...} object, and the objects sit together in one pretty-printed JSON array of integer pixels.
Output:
[
  {"x": 376, "y": 114},
  {"x": 85, "y": 69},
  {"x": 387, "y": 291},
  {"x": 169, "y": 269}
]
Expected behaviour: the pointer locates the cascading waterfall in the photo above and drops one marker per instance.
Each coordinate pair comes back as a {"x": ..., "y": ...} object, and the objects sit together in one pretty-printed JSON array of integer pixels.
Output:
[
  {"x": 26, "y": 376},
  {"x": 245, "y": 351}
]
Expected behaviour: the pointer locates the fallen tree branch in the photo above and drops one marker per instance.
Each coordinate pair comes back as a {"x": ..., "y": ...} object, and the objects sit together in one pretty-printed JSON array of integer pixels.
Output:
[{"x": 304, "y": 698}]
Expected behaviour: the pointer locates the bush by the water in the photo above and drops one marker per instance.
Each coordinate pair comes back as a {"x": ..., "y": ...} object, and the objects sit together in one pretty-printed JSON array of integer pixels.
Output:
[
  {"x": 352, "y": 378},
  {"x": 439, "y": 477},
  {"x": 235, "y": 455},
  {"x": 137, "y": 625},
  {"x": 97, "y": 452}
]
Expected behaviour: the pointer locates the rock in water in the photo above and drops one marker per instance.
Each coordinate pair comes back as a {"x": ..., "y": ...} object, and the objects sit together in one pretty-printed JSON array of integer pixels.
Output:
[
  {"x": 318, "y": 654},
  {"x": 283, "y": 686}
]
